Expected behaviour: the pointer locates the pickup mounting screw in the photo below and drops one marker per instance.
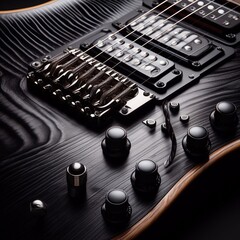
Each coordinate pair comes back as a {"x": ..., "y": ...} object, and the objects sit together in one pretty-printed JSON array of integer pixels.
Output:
[
  {"x": 176, "y": 71},
  {"x": 160, "y": 84},
  {"x": 124, "y": 110},
  {"x": 231, "y": 36},
  {"x": 196, "y": 64},
  {"x": 36, "y": 64},
  {"x": 106, "y": 30},
  {"x": 85, "y": 45},
  {"x": 191, "y": 76}
]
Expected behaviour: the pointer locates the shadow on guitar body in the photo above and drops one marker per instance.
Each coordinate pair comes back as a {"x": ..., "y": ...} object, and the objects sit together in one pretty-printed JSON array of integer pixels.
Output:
[{"x": 206, "y": 210}]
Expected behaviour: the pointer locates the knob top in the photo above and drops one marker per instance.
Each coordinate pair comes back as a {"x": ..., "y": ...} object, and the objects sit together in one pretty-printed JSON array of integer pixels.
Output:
[
  {"x": 116, "y": 144},
  {"x": 146, "y": 179},
  {"x": 117, "y": 197},
  {"x": 116, "y": 133},
  {"x": 116, "y": 208},
  {"x": 224, "y": 118},
  {"x": 226, "y": 108},
  {"x": 76, "y": 168},
  {"x": 198, "y": 132},
  {"x": 196, "y": 143},
  {"x": 146, "y": 166}
]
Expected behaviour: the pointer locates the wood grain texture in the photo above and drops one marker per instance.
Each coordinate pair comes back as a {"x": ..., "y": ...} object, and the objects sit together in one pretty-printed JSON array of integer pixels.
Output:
[{"x": 38, "y": 141}]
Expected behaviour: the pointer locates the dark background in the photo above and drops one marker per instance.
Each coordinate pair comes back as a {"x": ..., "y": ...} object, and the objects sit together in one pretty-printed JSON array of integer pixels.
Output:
[
  {"x": 16, "y": 4},
  {"x": 208, "y": 209}
]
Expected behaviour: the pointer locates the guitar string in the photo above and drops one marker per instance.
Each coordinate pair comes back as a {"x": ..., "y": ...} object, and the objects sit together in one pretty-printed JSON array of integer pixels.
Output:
[
  {"x": 170, "y": 130},
  {"x": 120, "y": 61},
  {"x": 125, "y": 26},
  {"x": 159, "y": 52},
  {"x": 151, "y": 30},
  {"x": 169, "y": 127},
  {"x": 124, "y": 37},
  {"x": 113, "y": 67}
]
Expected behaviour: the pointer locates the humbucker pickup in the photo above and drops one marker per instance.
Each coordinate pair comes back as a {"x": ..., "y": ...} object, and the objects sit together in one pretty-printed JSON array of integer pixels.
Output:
[
  {"x": 134, "y": 60},
  {"x": 178, "y": 39},
  {"x": 221, "y": 19},
  {"x": 86, "y": 87}
]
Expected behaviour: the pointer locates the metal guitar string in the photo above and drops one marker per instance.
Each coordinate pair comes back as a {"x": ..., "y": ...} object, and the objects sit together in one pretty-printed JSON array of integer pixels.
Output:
[
  {"x": 167, "y": 116},
  {"x": 170, "y": 130},
  {"x": 166, "y": 31},
  {"x": 165, "y": 107},
  {"x": 114, "y": 55},
  {"x": 125, "y": 26},
  {"x": 141, "y": 35},
  {"x": 165, "y": 104},
  {"x": 138, "y": 29}
]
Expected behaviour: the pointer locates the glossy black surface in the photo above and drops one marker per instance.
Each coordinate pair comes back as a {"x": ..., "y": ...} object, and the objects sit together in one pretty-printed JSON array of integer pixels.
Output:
[
  {"x": 145, "y": 178},
  {"x": 116, "y": 144},
  {"x": 224, "y": 118},
  {"x": 197, "y": 143},
  {"x": 116, "y": 208}
]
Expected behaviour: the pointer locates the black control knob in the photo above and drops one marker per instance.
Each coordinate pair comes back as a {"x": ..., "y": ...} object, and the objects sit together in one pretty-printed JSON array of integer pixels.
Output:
[
  {"x": 76, "y": 179},
  {"x": 224, "y": 118},
  {"x": 145, "y": 178},
  {"x": 116, "y": 208},
  {"x": 38, "y": 208},
  {"x": 196, "y": 143},
  {"x": 116, "y": 144}
]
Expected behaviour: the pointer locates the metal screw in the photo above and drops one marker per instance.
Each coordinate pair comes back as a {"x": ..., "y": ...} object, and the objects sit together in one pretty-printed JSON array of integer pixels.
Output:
[
  {"x": 231, "y": 35},
  {"x": 191, "y": 76},
  {"x": 196, "y": 64},
  {"x": 124, "y": 110},
  {"x": 106, "y": 30},
  {"x": 160, "y": 84},
  {"x": 146, "y": 94},
  {"x": 176, "y": 71},
  {"x": 85, "y": 45},
  {"x": 36, "y": 64}
]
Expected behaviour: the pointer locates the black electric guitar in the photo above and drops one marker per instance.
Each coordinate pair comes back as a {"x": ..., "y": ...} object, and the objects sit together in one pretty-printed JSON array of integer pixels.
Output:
[{"x": 110, "y": 109}]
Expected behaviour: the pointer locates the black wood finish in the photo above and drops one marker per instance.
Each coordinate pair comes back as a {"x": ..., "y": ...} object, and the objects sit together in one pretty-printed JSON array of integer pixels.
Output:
[{"x": 38, "y": 141}]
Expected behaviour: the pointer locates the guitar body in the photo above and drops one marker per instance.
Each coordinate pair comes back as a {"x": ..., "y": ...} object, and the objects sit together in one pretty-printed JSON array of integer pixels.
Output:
[{"x": 39, "y": 140}]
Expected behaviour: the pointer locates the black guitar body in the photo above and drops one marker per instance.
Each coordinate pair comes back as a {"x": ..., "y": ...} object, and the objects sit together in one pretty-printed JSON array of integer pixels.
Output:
[{"x": 39, "y": 139}]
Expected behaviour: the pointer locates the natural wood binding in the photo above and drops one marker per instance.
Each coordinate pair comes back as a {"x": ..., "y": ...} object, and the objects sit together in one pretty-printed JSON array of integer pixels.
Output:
[
  {"x": 174, "y": 193},
  {"x": 27, "y": 8}
]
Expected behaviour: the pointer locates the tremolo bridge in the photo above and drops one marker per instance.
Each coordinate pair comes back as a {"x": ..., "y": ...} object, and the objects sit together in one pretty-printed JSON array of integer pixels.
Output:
[{"x": 86, "y": 87}]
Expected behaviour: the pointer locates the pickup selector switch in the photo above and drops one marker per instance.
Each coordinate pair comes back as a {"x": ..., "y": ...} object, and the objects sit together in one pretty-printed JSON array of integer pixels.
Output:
[
  {"x": 196, "y": 143},
  {"x": 224, "y": 118},
  {"x": 76, "y": 179},
  {"x": 145, "y": 178},
  {"x": 116, "y": 208},
  {"x": 116, "y": 144}
]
